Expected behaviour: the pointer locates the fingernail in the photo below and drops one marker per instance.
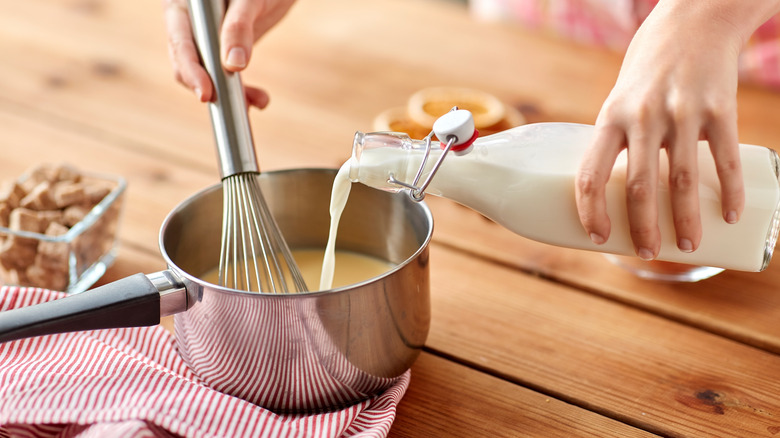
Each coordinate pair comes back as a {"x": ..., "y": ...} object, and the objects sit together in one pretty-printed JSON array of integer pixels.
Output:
[
  {"x": 645, "y": 254},
  {"x": 236, "y": 57},
  {"x": 199, "y": 93},
  {"x": 685, "y": 245},
  {"x": 731, "y": 217},
  {"x": 597, "y": 239}
]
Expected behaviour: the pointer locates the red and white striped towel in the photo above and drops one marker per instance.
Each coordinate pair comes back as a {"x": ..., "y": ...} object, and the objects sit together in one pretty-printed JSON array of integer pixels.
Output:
[{"x": 132, "y": 383}]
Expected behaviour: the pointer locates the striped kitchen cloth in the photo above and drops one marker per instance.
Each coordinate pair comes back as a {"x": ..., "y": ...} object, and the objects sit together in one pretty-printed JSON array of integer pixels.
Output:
[{"x": 132, "y": 383}]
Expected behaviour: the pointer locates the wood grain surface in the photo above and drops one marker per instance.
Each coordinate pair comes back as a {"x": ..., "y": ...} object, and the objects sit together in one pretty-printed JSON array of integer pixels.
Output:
[{"x": 526, "y": 340}]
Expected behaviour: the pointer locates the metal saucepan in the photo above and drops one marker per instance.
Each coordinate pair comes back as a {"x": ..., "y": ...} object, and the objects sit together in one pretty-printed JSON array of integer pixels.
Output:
[{"x": 297, "y": 352}]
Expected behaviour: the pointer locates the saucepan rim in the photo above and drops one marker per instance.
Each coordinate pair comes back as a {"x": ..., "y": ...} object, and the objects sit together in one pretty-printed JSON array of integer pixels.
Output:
[{"x": 343, "y": 289}]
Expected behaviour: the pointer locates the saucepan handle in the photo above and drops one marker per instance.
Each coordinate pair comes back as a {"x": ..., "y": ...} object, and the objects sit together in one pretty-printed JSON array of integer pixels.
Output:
[{"x": 130, "y": 302}]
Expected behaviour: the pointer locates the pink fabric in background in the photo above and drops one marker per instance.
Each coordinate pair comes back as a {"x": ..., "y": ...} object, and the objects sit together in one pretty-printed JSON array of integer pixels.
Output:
[
  {"x": 131, "y": 383},
  {"x": 612, "y": 23}
]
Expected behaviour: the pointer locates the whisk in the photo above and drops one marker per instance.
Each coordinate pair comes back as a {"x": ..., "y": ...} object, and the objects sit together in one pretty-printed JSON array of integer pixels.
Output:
[{"x": 254, "y": 255}]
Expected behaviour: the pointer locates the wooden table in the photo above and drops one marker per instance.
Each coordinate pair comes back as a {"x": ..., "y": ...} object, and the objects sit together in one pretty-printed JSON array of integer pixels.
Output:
[{"x": 526, "y": 339}]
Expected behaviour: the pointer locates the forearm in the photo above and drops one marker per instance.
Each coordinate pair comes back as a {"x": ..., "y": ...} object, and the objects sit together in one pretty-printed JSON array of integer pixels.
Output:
[{"x": 736, "y": 18}]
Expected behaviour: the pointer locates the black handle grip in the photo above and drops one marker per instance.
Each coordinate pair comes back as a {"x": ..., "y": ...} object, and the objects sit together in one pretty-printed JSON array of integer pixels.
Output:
[{"x": 130, "y": 302}]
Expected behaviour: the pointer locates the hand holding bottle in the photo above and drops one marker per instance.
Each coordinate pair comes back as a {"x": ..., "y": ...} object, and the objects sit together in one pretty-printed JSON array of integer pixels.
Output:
[
  {"x": 677, "y": 85},
  {"x": 245, "y": 22}
]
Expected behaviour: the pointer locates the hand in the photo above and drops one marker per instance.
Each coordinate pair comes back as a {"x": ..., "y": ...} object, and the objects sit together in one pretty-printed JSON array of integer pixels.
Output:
[
  {"x": 677, "y": 85},
  {"x": 244, "y": 23}
]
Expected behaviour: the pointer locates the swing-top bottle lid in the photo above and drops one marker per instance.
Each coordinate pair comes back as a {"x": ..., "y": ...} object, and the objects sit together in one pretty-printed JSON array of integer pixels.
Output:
[{"x": 456, "y": 126}]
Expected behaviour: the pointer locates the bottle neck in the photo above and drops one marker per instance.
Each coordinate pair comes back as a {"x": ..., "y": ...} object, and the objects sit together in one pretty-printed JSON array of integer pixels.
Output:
[{"x": 392, "y": 161}]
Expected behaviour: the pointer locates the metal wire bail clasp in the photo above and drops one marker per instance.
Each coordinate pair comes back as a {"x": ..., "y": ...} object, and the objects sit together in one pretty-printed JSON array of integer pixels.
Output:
[{"x": 456, "y": 127}]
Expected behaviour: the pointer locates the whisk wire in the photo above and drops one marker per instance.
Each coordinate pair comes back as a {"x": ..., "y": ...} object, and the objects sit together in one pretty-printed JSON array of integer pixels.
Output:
[
  {"x": 259, "y": 222},
  {"x": 274, "y": 234},
  {"x": 247, "y": 248},
  {"x": 253, "y": 255},
  {"x": 227, "y": 235}
]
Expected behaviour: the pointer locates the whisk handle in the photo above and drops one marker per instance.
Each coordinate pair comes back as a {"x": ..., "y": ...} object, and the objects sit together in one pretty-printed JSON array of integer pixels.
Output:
[{"x": 228, "y": 111}]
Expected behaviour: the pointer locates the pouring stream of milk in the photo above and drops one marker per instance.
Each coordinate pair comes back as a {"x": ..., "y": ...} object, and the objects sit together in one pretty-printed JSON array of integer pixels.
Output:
[{"x": 338, "y": 200}]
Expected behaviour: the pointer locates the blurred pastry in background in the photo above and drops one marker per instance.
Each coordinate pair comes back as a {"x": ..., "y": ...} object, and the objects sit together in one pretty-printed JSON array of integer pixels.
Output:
[{"x": 491, "y": 115}]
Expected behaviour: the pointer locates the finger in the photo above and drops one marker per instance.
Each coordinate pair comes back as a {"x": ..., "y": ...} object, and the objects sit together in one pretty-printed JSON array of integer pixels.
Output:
[
  {"x": 268, "y": 16},
  {"x": 642, "y": 193},
  {"x": 183, "y": 51},
  {"x": 237, "y": 34},
  {"x": 724, "y": 145},
  {"x": 256, "y": 97},
  {"x": 684, "y": 186},
  {"x": 590, "y": 184}
]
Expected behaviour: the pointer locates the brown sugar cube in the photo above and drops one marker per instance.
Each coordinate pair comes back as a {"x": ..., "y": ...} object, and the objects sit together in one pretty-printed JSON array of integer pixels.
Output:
[
  {"x": 44, "y": 172},
  {"x": 12, "y": 194},
  {"x": 47, "y": 278},
  {"x": 37, "y": 175},
  {"x": 24, "y": 219},
  {"x": 67, "y": 193},
  {"x": 53, "y": 255},
  {"x": 55, "y": 229},
  {"x": 48, "y": 216},
  {"x": 39, "y": 198},
  {"x": 64, "y": 172},
  {"x": 95, "y": 192},
  {"x": 94, "y": 243},
  {"x": 16, "y": 253},
  {"x": 13, "y": 276},
  {"x": 5, "y": 213},
  {"x": 74, "y": 214}
]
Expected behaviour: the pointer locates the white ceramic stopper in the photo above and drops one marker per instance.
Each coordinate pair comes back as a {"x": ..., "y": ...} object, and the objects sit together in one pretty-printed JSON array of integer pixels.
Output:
[{"x": 458, "y": 124}]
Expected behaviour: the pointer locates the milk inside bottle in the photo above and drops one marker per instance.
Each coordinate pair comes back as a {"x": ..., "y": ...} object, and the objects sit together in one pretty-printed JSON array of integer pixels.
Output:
[{"x": 523, "y": 179}]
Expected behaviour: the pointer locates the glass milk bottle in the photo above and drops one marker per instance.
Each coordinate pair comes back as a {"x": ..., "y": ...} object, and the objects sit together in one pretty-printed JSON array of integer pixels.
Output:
[{"x": 523, "y": 179}]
